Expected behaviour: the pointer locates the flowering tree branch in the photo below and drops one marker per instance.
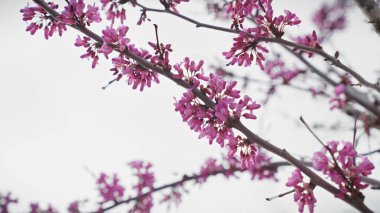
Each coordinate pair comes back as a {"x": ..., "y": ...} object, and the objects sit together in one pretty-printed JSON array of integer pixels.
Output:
[
  {"x": 214, "y": 108},
  {"x": 334, "y": 61},
  {"x": 231, "y": 171},
  {"x": 315, "y": 179}
]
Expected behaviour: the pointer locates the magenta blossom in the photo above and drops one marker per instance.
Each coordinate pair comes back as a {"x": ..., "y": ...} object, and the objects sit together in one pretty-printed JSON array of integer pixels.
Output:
[
  {"x": 144, "y": 186},
  {"x": 5, "y": 201},
  {"x": 346, "y": 173},
  {"x": 74, "y": 13},
  {"x": 331, "y": 17},
  {"x": 114, "y": 10},
  {"x": 39, "y": 19},
  {"x": 92, "y": 49},
  {"x": 303, "y": 193},
  {"x": 110, "y": 188},
  {"x": 137, "y": 75},
  {"x": 245, "y": 47}
]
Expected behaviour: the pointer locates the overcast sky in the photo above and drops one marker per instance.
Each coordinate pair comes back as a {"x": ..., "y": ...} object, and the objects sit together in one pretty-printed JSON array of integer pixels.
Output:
[{"x": 55, "y": 119}]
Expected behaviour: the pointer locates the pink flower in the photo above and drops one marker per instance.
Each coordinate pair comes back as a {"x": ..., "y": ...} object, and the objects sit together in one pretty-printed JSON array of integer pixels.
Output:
[
  {"x": 39, "y": 19},
  {"x": 245, "y": 46},
  {"x": 331, "y": 17},
  {"x": 344, "y": 154},
  {"x": 144, "y": 185},
  {"x": 73, "y": 207},
  {"x": 310, "y": 41},
  {"x": 92, "y": 49},
  {"x": 114, "y": 9},
  {"x": 338, "y": 100},
  {"x": 137, "y": 75},
  {"x": 303, "y": 194},
  {"x": 110, "y": 189},
  {"x": 115, "y": 37},
  {"x": 208, "y": 169},
  {"x": 193, "y": 73},
  {"x": 74, "y": 13},
  {"x": 276, "y": 69},
  {"x": 161, "y": 55},
  {"x": 172, "y": 4},
  {"x": 5, "y": 201}
]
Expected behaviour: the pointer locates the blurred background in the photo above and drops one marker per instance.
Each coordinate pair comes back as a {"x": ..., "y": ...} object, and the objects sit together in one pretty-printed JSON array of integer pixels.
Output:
[{"x": 57, "y": 123}]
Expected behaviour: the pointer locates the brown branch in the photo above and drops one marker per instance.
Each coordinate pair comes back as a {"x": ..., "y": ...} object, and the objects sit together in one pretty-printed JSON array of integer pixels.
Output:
[
  {"x": 314, "y": 178},
  {"x": 372, "y": 10}
]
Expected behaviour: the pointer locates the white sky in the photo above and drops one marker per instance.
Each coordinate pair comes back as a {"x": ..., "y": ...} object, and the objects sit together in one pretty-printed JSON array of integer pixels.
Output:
[{"x": 55, "y": 119}]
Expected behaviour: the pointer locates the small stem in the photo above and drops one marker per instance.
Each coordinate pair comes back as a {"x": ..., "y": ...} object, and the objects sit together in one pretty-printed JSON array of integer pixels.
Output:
[
  {"x": 312, "y": 132},
  {"x": 280, "y": 195}
]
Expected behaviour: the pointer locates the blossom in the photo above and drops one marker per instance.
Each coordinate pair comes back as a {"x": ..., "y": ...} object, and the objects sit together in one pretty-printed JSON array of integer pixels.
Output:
[
  {"x": 39, "y": 19},
  {"x": 73, "y": 207},
  {"x": 114, "y": 10},
  {"x": 109, "y": 188},
  {"x": 275, "y": 25},
  {"x": 311, "y": 40},
  {"x": 193, "y": 72},
  {"x": 92, "y": 49},
  {"x": 143, "y": 187},
  {"x": 276, "y": 69},
  {"x": 74, "y": 13},
  {"x": 35, "y": 208},
  {"x": 116, "y": 37},
  {"x": 210, "y": 166},
  {"x": 303, "y": 193},
  {"x": 161, "y": 55},
  {"x": 338, "y": 100},
  {"x": 172, "y": 4},
  {"x": 331, "y": 17},
  {"x": 5, "y": 201},
  {"x": 137, "y": 75},
  {"x": 245, "y": 46},
  {"x": 345, "y": 172}
]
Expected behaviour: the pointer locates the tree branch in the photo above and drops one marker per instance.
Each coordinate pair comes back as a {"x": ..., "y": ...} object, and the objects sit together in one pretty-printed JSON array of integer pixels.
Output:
[
  {"x": 372, "y": 10},
  {"x": 314, "y": 178},
  {"x": 334, "y": 61}
]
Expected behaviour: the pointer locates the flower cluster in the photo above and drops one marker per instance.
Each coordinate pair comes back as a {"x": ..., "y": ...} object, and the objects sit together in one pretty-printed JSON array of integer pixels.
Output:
[
  {"x": 238, "y": 10},
  {"x": 114, "y": 9},
  {"x": 136, "y": 74},
  {"x": 114, "y": 37},
  {"x": 73, "y": 207},
  {"x": 110, "y": 188},
  {"x": 143, "y": 187},
  {"x": 275, "y": 25},
  {"x": 209, "y": 168},
  {"x": 172, "y": 4},
  {"x": 245, "y": 45},
  {"x": 74, "y": 13},
  {"x": 331, "y": 17},
  {"x": 303, "y": 192},
  {"x": 92, "y": 49},
  {"x": 338, "y": 101},
  {"x": 311, "y": 40},
  {"x": 39, "y": 19},
  {"x": 276, "y": 69},
  {"x": 261, "y": 169},
  {"x": 174, "y": 196},
  {"x": 214, "y": 122},
  {"x": 161, "y": 55},
  {"x": 342, "y": 167},
  {"x": 35, "y": 208},
  {"x": 5, "y": 201}
]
